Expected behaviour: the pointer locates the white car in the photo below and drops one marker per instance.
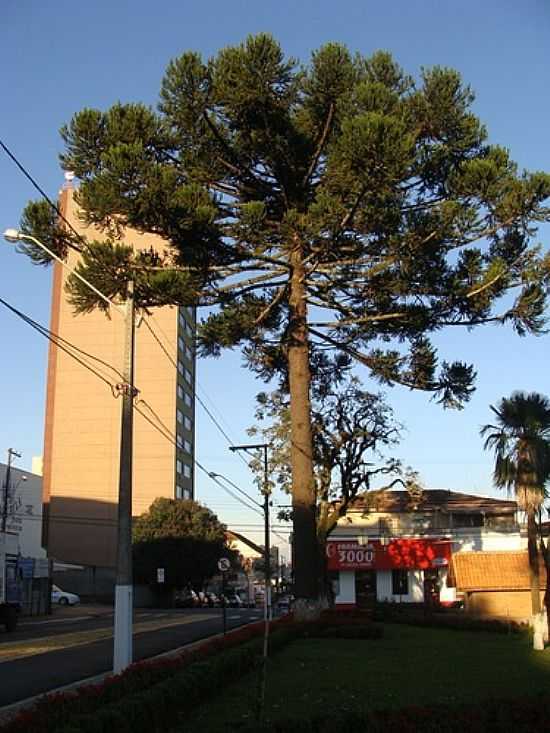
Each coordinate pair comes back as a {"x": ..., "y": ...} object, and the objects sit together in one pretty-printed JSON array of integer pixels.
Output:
[{"x": 64, "y": 598}]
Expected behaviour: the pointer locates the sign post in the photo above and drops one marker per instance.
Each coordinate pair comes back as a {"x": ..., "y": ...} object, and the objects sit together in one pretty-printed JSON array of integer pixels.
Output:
[{"x": 223, "y": 566}]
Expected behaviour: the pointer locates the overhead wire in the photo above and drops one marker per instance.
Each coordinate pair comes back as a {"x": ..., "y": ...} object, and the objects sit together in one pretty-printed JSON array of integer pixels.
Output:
[
  {"x": 162, "y": 430},
  {"x": 195, "y": 395},
  {"x": 54, "y": 206},
  {"x": 59, "y": 341}
]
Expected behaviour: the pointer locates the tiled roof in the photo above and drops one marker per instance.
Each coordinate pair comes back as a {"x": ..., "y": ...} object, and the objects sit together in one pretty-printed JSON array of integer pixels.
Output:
[
  {"x": 431, "y": 500},
  {"x": 493, "y": 571}
]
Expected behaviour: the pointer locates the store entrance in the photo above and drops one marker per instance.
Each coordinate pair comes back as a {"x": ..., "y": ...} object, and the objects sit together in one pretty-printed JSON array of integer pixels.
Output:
[{"x": 365, "y": 588}]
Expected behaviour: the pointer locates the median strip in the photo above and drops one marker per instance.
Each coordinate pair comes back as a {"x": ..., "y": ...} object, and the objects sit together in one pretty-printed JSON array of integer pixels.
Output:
[{"x": 30, "y": 648}]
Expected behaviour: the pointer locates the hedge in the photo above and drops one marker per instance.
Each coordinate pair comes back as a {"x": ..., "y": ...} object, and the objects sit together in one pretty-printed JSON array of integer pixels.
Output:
[{"x": 143, "y": 685}]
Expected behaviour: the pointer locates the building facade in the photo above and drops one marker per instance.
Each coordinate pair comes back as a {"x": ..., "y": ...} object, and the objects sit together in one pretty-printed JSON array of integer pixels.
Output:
[
  {"x": 83, "y": 414},
  {"x": 392, "y": 547},
  {"x": 23, "y": 509}
]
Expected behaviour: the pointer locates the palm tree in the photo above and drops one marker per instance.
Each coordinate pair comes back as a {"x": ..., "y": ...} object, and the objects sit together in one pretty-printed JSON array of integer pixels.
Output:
[{"x": 521, "y": 442}]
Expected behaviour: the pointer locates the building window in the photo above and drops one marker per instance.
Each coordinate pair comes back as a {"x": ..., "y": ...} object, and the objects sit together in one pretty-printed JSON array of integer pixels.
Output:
[
  {"x": 400, "y": 582},
  {"x": 187, "y": 471},
  {"x": 188, "y": 352},
  {"x": 467, "y": 520},
  {"x": 179, "y": 492},
  {"x": 187, "y": 422},
  {"x": 188, "y": 399},
  {"x": 179, "y": 466},
  {"x": 181, "y": 368},
  {"x": 179, "y": 441},
  {"x": 188, "y": 377},
  {"x": 188, "y": 329},
  {"x": 186, "y": 494},
  {"x": 187, "y": 446},
  {"x": 179, "y": 415},
  {"x": 180, "y": 392},
  {"x": 181, "y": 344},
  {"x": 182, "y": 320}
]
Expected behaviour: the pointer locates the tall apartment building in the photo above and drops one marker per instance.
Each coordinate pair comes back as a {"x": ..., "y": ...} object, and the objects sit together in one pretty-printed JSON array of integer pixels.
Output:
[{"x": 82, "y": 424}]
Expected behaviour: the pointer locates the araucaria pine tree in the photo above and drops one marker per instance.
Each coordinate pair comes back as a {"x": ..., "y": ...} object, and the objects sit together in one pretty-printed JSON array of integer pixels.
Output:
[{"x": 341, "y": 204}]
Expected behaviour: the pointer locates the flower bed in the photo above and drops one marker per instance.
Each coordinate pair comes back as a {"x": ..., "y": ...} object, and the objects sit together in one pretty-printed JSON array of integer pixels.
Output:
[{"x": 143, "y": 695}]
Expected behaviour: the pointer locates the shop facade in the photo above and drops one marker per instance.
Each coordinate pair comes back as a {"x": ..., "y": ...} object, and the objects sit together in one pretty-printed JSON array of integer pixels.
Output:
[{"x": 394, "y": 549}]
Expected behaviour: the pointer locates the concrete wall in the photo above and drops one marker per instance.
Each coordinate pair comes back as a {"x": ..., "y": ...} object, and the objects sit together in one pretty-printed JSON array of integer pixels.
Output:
[{"x": 515, "y": 605}]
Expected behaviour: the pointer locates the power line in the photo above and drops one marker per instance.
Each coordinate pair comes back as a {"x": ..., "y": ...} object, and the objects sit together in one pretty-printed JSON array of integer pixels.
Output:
[
  {"x": 166, "y": 433},
  {"x": 195, "y": 395},
  {"x": 49, "y": 333},
  {"x": 220, "y": 475},
  {"x": 54, "y": 339},
  {"x": 224, "y": 478},
  {"x": 54, "y": 206},
  {"x": 163, "y": 431}
]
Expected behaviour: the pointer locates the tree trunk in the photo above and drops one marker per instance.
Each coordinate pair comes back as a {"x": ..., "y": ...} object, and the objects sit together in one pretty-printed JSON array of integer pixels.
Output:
[
  {"x": 547, "y": 590},
  {"x": 306, "y": 586},
  {"x": 533, "y": 561}
]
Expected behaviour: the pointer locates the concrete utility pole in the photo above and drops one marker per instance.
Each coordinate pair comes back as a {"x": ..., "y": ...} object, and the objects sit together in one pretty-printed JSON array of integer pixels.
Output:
[
  {"x": 123, "y": 588},
  {"x": 11, "y": 455},
  {"x": 122, "y": 653},
  {"x": 267, "y": 549},
  {"x": 267, "y": 562}
]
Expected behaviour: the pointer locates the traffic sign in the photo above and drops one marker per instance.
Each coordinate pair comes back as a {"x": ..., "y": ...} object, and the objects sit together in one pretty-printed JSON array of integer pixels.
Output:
[{"x": 224, "y": 564}]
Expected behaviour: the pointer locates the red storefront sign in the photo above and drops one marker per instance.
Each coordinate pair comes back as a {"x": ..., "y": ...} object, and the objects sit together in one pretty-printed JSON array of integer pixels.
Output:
[{"x": 414, "y": 554}]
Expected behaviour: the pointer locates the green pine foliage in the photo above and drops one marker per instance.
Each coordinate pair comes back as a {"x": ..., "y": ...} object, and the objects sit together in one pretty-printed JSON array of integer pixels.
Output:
[
  {"x": 340, "y": 204},
  {"x": 406, "y": 218}
]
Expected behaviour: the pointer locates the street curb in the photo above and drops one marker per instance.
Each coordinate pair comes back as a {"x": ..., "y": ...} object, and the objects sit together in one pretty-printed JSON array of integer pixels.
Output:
[{"x": 8, "y": 712}]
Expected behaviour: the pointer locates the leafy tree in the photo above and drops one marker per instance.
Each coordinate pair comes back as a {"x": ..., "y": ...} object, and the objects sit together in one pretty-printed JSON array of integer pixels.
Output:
[
  {"x": 351, "y": 428},
  {"x": 521, "y": 442},
  {"x": 339, "y": 204},
  {"x": 181, "y": 536}
]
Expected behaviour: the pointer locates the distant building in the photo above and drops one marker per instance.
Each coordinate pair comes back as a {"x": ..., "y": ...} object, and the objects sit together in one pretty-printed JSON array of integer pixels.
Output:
[
  {"x": 82, "y": 425},
  {"x": 392, "y": 546},
  {"x": 24, "y": 509}
]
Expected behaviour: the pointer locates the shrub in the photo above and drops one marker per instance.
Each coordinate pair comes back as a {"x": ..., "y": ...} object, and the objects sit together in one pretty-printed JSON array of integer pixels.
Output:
[{"x": 59, "y": 711}]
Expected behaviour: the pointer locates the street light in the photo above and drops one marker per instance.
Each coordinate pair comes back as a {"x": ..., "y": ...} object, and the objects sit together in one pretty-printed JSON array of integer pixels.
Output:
[{"x": 122, "y": 652}]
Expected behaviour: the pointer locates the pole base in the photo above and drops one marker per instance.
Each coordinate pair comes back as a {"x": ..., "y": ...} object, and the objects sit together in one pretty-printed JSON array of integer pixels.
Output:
[{"x": 122, "y": 653}]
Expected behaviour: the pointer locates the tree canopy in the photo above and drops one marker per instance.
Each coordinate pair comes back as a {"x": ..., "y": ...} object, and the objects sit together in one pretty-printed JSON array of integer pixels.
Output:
[
  {"x": 341, "y": 204},
  {"x": 521, "y": 442},
  {"x": 181, "y": 536}
]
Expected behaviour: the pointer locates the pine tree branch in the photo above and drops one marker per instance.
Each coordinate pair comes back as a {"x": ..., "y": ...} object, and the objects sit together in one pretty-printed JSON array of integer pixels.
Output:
[
  {"x": 259, "y": 280},
  {"x": 362, "y": 319},
  {"x": 267, "y": 310},
  {"x": 320, "y": 145}
]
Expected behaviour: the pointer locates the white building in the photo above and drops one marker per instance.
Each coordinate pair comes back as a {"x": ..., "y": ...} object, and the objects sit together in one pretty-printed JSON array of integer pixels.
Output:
[
  {"x": 392, "y": 546},
  {"x": 24, "y": 509}
]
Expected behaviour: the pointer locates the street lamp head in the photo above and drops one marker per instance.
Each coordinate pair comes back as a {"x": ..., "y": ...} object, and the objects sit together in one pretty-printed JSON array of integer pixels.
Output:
[{"x": 12, "y": 235}]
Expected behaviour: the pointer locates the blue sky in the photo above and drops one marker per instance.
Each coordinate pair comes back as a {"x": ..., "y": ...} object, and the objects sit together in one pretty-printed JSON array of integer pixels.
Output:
[{"x": 56, "y": 58}]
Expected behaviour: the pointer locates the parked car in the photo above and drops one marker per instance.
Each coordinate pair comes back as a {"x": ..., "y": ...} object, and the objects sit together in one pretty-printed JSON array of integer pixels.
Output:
[
  {"x": 233, "y": 600},
  {"x": 283, "y": 604},
  {"x": 186, "y": 598},
  {"x": 64, "y": 598},
  {"x": 213, "y": 600},
  {"x": 247, "y": 602}
]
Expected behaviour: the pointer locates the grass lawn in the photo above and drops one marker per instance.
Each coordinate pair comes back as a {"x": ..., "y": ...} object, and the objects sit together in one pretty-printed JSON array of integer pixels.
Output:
[{"x": 409, "y": 666}]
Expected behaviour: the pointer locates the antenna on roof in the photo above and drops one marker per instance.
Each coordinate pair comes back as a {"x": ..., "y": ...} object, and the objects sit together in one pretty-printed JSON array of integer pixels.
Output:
[{"x": 69, "y": 178}]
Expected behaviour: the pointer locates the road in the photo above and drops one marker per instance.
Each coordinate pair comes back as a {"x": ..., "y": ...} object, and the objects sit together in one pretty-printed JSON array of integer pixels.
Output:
[{"x": 77, "y": 643}]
